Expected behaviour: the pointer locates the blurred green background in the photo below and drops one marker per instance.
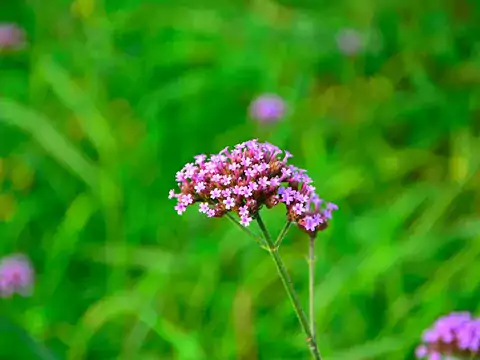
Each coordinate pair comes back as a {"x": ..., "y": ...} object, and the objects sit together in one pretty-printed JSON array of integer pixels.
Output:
[{"x": 111, "y": 98}]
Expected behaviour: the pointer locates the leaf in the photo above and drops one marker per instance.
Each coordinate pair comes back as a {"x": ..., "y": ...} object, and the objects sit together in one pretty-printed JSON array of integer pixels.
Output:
[
  {"x": 25, "y": 347},
  {"x": 370, "y": 350},
  {"x": 62, "y": 246},
  {"x": 93, "y": 123},
  {"x": 39, "y": 128},
  {"x": 131, "y": 303}
]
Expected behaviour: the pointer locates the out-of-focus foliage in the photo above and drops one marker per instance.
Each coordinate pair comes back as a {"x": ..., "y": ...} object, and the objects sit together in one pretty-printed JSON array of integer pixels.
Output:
[{"x": 110, "y": 98}]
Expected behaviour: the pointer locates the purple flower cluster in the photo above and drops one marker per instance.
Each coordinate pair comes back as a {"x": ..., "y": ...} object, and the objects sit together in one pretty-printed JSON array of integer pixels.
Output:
[
  {"x": 245, "y": 179},
  {"x": 454, "y": 336},
  {"x": 12, "y": 37},
  {"x": 16, "y": 276},
  {"x": 350, "y": 42},
  {"x": 267, "y": 108},
  {"x": 317, "y": 215}
]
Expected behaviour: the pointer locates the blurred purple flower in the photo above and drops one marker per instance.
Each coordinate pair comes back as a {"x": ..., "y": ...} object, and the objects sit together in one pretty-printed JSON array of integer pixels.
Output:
[
  {"x": 456, "y": 335},
  {"x": 16, "y": 276},
  {"x": 267, "y": 108},
  {"x": 12, "y": 37},
  {"x": 350, "y": 42}
]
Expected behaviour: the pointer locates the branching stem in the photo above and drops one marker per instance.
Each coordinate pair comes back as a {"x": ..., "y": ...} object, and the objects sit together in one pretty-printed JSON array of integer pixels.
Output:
[
  {"x": 284, "y": 231},
  {"x": 311, "y": 285},
  {"x": 288, "y": 284},
  {"x": 257, "y": 238}
]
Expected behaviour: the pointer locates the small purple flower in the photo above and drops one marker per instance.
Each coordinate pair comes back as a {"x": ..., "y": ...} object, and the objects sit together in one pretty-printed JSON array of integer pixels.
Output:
[
  {"x": 199, "y": 187},
  {"x": 12, "y": 37},
  {"x": 287, "y": 195},
  {"x": 245, "y": 220},
  {"x": 187, "y": 199},
  {"x": 456, "y": 335},
  {"x": 210, "y": 212},
  {"x": 310, "y": 223},
  {"x": 199, "y": 159},
  {"x": 16, "y": 276},
  {"x": 243, "y": 211},
  {"x": 180, "y": 208},
  {"x": 298, "y": 208},
  {"x": 317, "y": 216},
  {"x": 229, "y": 203},
  {"x": 263, "y": 182},
  {"x": 350, "y": 42},
  {"x": 215, "y": 193},
  {"x": 267, "y": 108},
  {"x": 227, "y": 192},
  {"x": 204, "y": 208}
]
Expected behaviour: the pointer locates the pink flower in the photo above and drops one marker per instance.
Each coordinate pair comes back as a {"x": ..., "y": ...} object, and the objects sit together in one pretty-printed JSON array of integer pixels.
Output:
[
  {"x": 16, "y": 276},
  {"x": 456, "y": 335},
  {"x": 12, "y": 37},
  {"x": 267, "y": 108},
  {"x": 244, "y": 180}
]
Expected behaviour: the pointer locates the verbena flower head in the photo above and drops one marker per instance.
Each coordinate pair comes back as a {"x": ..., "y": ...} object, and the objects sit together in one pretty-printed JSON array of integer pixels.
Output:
[
  {"x": 12, "y": 37},
  {"x": 246, "y": 178},
  {"x": 16, "y": 276},
  {"x": 455, "y": 336},
  {"x": 267, "y": 108},
  {"x": 317, "y": 214},
  {"x": 350, "y": 42}
]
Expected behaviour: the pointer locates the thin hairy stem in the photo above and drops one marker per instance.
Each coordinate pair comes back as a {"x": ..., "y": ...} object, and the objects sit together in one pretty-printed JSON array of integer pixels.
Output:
[
  {"x": 311, "y": 285},
  {"x": 284, "y": 231},
  {"x": 288, "y": 284},
  {"x": 257, "y": 238}
]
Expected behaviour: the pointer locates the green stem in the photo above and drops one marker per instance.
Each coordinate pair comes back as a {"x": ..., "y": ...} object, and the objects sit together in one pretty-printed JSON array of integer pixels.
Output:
[
  {"x": 282, "y": 234},
  {"x": 311, "y": 285},
  {"x": 257, "y": 238},
  {"x": 288, "y": 284}
]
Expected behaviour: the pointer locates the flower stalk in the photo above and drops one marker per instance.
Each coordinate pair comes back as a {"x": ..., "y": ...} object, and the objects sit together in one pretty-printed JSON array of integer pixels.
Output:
[
  {"x": 255, "y": 237},
  {"x": 311, "y": 285},
  {"x": 245, "y": 179},
  {"x": 288, "y": 284},
  {"x": 284, "y": 231}
]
